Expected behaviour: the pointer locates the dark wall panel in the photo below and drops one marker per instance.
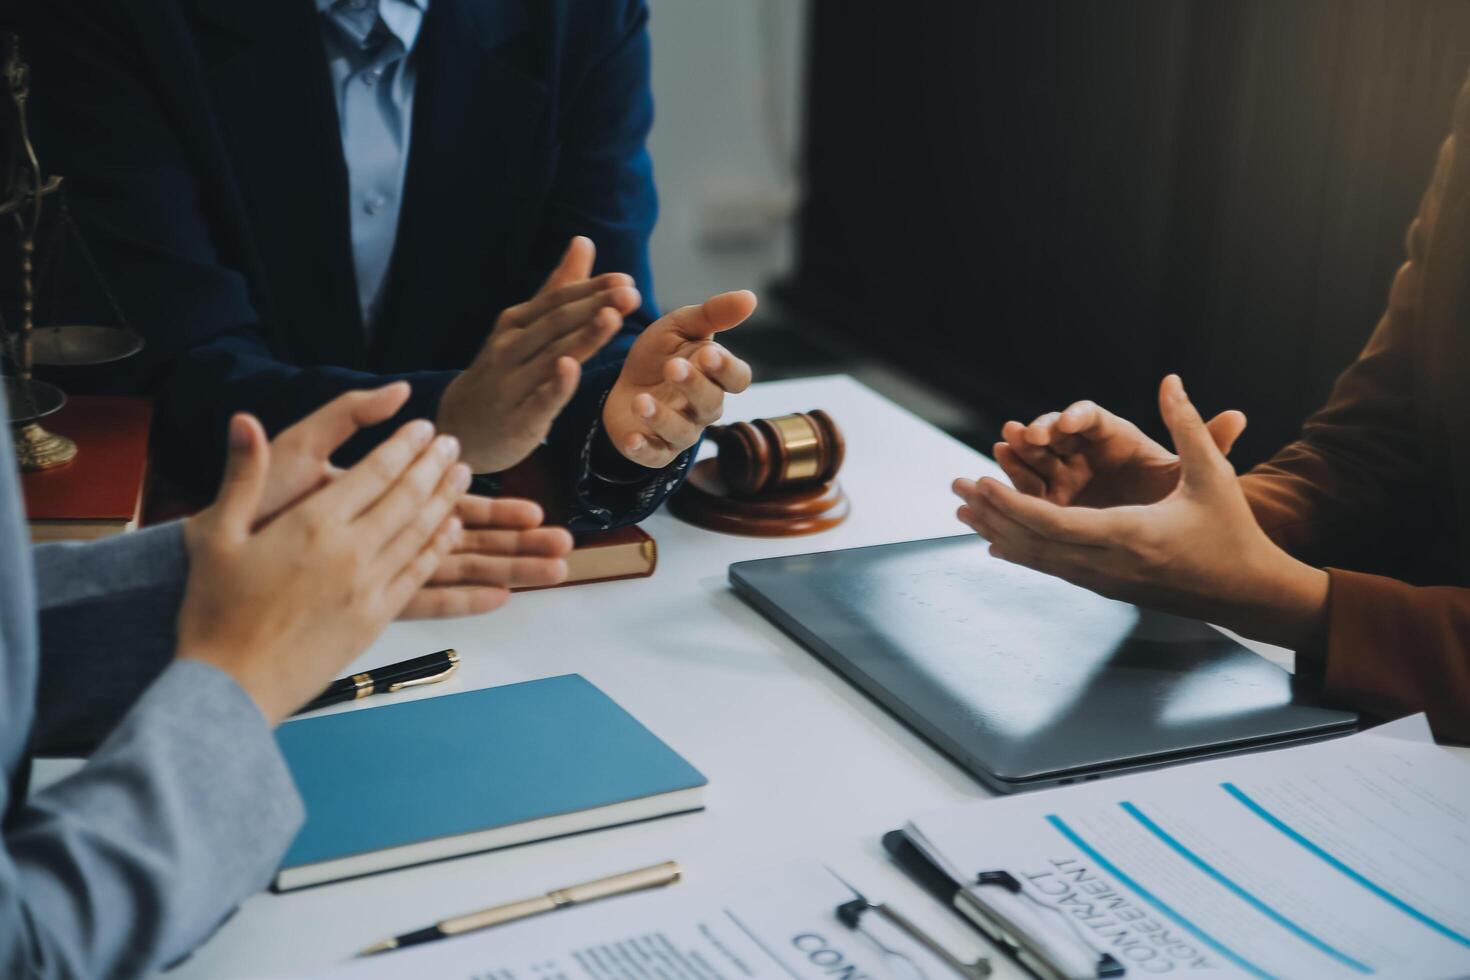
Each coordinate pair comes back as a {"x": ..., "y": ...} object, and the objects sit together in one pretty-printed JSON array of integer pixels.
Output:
[{"x": 1034, "y": 202}]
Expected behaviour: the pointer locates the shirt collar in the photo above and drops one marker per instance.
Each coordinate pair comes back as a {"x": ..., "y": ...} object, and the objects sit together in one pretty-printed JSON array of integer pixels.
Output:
[
  {"x": 322, "y": 6},
  {"x": 403, "y": 18}
]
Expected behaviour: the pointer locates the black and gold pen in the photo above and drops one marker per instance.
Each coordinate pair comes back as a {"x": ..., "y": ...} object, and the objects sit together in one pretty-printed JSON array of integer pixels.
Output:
[{"x": 430, "y": 669}]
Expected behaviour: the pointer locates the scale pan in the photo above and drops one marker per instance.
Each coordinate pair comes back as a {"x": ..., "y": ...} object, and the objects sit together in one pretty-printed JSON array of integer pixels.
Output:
[
  {"x": 45, "y": 400},
  {"x": 82, "y": 346}
]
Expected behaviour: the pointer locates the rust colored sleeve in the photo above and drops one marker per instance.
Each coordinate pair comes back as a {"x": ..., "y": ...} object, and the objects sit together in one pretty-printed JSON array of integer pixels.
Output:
[{"x": 1393, "y": 649}]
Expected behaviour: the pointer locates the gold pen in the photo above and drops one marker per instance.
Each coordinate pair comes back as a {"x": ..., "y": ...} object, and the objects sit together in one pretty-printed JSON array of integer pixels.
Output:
[{"x": 657, "y": 876}]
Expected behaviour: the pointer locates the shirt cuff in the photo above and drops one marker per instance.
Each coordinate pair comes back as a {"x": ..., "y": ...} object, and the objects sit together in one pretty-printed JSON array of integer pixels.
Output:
[{"x": 611, "y": 490}]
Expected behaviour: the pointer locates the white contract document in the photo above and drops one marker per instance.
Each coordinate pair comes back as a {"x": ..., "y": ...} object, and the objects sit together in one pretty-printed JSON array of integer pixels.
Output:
[
  {"x": 781, "y": 924},
  {"x": 1347, "y": 858}
]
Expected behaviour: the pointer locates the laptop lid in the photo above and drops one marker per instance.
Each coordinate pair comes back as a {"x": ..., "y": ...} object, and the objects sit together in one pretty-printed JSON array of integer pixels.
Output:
[{"x": 1022, "y": 678}]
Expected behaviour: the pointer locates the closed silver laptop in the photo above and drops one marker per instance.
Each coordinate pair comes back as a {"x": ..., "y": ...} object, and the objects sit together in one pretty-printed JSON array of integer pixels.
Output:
[{"x": 1023, "y": 679}]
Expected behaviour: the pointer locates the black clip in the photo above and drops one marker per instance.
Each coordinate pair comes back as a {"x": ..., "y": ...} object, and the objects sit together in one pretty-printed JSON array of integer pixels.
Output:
[{"x": 1004, "y": 879}]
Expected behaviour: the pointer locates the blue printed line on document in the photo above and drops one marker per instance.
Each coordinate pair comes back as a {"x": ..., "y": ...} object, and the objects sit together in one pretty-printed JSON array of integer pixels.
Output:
[
  {"x": 1153, "y": 899},
  {"x": 1240, "y": 892},
  {"x": 1388, "y": 897}
]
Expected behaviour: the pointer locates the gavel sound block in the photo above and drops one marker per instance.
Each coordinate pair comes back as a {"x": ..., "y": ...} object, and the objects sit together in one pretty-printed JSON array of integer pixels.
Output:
[{"x": 772, "y": 478}]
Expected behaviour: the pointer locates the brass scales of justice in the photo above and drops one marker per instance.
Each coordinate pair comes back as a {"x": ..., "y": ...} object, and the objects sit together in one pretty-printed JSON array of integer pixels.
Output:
[{"x": 23, "y": 191}]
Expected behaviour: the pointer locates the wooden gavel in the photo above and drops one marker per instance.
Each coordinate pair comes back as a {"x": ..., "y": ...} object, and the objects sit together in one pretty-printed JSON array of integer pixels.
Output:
[{"x": 783, "y": 453}]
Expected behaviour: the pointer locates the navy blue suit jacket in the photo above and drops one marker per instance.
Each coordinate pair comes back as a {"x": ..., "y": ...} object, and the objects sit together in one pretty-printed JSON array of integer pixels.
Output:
[{"x": 201, "y": 147}]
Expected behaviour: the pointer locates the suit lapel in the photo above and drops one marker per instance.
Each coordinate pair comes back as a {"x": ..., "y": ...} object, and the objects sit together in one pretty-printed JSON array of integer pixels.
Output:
[
  {"x": 268, "y": 75},
  {"x": 478, "y": 117}
]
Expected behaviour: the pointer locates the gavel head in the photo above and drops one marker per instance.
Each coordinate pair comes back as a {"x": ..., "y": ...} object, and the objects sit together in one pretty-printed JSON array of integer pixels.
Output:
[{"x": 784, "y": 453}]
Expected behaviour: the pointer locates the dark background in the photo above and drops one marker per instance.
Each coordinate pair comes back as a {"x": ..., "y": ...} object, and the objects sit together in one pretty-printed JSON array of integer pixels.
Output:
[{"x": 1026, "y": 203}]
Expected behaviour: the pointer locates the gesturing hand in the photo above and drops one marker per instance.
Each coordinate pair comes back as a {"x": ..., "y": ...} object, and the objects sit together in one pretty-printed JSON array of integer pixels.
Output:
[
  {"x": 503, "y": 404},
  {"x": 283, "y": 606},
  {"x": 503, "y": 547},
  {"x": 675, "y": 380},
  {"x": 1197, "y": 552},
  {"x": 1088, "y": 456}
]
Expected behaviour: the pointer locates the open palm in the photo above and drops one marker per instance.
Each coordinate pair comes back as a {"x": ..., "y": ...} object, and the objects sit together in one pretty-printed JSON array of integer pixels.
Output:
[{"x": 675, "y": 379}]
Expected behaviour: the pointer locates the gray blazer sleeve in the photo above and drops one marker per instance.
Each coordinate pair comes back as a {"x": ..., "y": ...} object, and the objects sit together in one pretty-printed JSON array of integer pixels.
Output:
[
  {"x": 107, "y": 615},
  {"x": 184, "y": 811}
]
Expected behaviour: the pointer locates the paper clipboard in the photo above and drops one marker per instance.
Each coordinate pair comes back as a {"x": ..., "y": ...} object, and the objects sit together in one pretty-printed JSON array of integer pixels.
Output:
[{"x": 1010, "y": 941}]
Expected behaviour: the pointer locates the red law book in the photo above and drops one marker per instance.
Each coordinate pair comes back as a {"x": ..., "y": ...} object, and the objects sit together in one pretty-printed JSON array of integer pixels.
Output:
[
  {"x": 100, "y": 492},
  {"x": 597, "y": 556}
]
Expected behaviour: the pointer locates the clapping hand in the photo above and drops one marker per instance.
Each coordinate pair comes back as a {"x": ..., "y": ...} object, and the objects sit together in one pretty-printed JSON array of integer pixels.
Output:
[
  {"x": 675, "y": 380},
  {"x": 282, "y": 604},
  {"x": 501, "y": 407},
  {"x": 502, "y": 546}
]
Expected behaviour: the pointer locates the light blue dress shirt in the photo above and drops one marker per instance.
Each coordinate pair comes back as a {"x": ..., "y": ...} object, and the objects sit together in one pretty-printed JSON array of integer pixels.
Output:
[{"x": 370, "y": 47}]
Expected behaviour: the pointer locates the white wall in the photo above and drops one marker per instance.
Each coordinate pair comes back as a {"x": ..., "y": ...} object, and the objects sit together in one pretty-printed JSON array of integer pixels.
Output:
[{"x": 726, "y": 82}]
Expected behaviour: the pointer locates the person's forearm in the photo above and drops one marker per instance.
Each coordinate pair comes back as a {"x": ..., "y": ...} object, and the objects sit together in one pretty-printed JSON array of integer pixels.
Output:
[
  {"x": 1288, "y": 607},
  {"x": 89, "y": 595},
  {"x": 127, "y": 865}
]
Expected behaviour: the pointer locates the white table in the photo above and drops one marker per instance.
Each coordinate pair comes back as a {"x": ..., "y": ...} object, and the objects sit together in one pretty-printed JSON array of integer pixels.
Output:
[{"x": 799, "y": 763}]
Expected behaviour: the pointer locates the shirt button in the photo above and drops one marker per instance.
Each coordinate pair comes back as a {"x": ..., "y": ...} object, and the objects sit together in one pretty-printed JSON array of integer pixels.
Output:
[{"x": 374, "y": 203}]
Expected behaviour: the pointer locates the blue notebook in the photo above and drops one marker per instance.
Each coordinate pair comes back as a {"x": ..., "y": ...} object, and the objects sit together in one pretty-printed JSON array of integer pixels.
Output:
[{"x": 435, "y": 778}]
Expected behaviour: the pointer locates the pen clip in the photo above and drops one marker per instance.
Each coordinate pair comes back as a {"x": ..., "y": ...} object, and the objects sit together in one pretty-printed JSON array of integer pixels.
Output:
[{"x": 443, "y": 675}]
